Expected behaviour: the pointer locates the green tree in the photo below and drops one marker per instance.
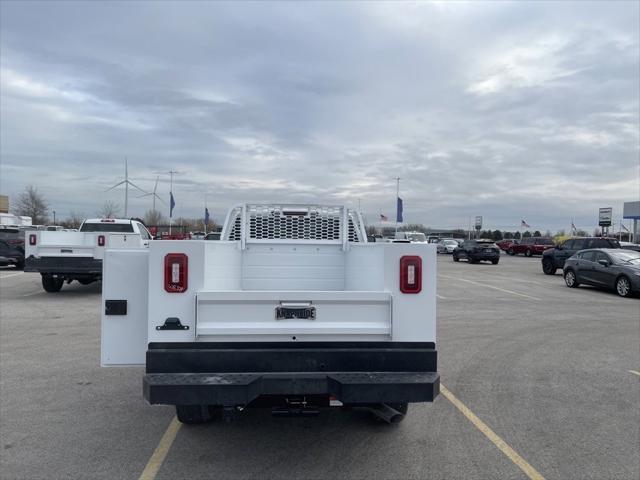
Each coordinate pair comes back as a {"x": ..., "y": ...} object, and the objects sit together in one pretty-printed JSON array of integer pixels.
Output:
[
  {"x": 537, "y": 233},
  {"x": 526, "y": 234},
  {"x": 497, "y": 235},
  {"x": 517, "y": 235}
]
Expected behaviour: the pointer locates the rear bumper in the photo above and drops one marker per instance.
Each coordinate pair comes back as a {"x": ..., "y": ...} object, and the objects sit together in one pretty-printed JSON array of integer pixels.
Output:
[
  {"x": 237, "y": 374},
  {"x": 64, "y": 265}
]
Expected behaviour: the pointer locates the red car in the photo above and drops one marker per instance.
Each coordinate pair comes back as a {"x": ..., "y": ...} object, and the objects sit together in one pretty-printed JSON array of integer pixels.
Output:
[
  {"x": 530, "y": 246},
  {"x": 504, "y": 244}
]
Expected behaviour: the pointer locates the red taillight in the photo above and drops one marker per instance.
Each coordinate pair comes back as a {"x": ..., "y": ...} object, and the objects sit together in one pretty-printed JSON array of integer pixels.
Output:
[
  {"x": 176, "y": 272},
  {"x": 411, "y": 274},
  {"x": 32, "y": 239},
  {"x": 101, "y": 240}
]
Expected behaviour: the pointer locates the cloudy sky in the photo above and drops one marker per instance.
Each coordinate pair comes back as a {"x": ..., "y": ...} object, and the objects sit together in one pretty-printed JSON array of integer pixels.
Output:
[{"x": 510, "y": 110}]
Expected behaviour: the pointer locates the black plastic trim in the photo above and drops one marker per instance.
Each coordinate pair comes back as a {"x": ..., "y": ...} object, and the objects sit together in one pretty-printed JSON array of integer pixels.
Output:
[{"x": 64, "y": 265}]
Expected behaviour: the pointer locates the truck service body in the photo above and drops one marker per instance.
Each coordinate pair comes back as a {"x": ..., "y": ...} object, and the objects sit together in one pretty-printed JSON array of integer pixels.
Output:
[
  {"x": 291, "y": 308},
  {"x": 66, "y": 256}
]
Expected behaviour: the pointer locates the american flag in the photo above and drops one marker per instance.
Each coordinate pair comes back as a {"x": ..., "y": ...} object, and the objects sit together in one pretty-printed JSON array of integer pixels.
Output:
[
  {"x": 573, "y": 225},
  {"x": 383, "y": 218},
  {"x": 524, "y": 224}
]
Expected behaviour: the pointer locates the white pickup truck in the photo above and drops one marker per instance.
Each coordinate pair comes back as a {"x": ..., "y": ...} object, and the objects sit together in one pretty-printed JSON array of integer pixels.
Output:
[
  {"x": 291, "y": 309},
  {"x": 66, "y": 256}
]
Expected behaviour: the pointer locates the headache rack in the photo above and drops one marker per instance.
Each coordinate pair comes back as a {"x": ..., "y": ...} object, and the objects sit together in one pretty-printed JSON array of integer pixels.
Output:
[{"x": 261, "y": 223}]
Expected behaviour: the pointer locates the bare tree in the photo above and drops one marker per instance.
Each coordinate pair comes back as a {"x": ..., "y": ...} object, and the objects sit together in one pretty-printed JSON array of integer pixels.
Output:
[
  {"x": 32, "y": 204},
  {"x": 74, "y": 220},
  {"x": 109, "y": 210},
  {"x": 154, "y": 217}
]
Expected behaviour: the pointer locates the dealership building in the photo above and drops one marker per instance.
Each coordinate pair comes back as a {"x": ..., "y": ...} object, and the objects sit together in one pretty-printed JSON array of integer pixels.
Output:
[{"x": 631, "y": 211}]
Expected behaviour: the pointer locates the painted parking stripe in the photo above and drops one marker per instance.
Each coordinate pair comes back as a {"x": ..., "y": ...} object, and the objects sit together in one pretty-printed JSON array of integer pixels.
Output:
[
  {"x": 491, "y": 286},
  {"x": 160, "y": 453},
  {"x": 633, "y": 371},
  {"x": 11, "y": 275},
  {"x": 441, "y": 297},
  {"x": 510, "y": 453}
]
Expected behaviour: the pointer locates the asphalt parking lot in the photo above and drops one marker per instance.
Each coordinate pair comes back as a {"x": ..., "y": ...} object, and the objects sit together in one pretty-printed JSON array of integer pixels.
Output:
[{"x": 553, "y": 372}]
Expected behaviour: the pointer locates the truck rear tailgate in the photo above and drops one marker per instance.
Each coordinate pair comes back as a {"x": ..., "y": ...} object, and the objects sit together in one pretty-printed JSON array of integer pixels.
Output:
[{"x": 264, "y": 313}]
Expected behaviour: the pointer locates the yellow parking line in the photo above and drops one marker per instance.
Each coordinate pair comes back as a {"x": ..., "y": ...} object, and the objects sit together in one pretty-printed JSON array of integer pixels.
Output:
[
  {"x": 160, "y": 453},
  {"x": 491, "y": 286},
  {"x": 633, "y": 371},
  {"x": 511, "y": 454}
]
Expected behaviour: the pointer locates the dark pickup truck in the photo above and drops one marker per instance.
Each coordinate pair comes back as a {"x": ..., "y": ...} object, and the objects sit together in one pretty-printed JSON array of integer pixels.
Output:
[
  {"x": 554, "y": 258},
  {"x": 530, "y": 246}
]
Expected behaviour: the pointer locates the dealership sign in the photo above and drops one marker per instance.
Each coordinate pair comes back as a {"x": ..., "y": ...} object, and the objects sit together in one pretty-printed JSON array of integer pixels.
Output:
[
  {"x": 604, "y": 217},
  {"x": 478, "y": 222}
]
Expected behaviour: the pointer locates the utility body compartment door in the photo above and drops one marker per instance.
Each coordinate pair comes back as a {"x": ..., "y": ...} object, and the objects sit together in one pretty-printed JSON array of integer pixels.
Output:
[
  {"x": 125, "y": 285},
  {"x": 293, "y": 315}
]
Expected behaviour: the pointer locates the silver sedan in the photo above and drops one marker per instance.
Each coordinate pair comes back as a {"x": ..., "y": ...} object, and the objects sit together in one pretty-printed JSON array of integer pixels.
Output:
[{"x": 446, "y": 246}]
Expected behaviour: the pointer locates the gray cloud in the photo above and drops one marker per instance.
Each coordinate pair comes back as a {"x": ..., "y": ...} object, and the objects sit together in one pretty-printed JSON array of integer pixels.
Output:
[{"x": 506, "y": 110}]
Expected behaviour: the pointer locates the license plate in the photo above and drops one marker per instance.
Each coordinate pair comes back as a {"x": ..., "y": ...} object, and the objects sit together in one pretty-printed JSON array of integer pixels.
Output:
[
  {"x": 286, "y": 312},
  {"x": 488, "y": 250}
]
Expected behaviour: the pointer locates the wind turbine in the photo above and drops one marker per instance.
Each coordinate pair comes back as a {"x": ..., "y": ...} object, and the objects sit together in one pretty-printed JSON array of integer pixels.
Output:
[
  {"x": 154, "y": 194},
  {"x": 126, "y": 183}
]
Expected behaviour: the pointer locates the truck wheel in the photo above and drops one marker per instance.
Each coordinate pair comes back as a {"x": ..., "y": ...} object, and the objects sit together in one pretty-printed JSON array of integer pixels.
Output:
[
  {"x": 528, "y": 253},
  {"x": 548, "y": 267},
  {"x": 193, "y": 414},
  {"x": 495, "y": 262},
  {"x": 85, "y": 281},
  {"x": 455, "y": 258},
  {"x": 51, "y": 284},
  {"x": 511, "y": 252}
]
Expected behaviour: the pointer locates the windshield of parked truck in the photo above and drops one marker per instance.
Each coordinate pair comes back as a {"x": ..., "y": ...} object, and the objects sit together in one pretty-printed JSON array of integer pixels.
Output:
[
  {"x": 416, "y": 237},
  {"x": 107, "y": 227}
]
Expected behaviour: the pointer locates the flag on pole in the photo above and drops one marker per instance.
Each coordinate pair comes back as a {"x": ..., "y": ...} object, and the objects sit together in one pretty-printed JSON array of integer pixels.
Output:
[
  {"x": 172, "y": 204},
  {"x": 383, "y": 218},
  {"x": 399, "y": 211},
  {"x": 573, "y": 226},
  {"x": 524, "y": 224},
  {"x": 206, "y": 216}
]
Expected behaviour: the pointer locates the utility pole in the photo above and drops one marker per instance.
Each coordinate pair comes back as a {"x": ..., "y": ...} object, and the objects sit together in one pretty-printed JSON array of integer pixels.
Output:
[{"x": 54, "y": 217}]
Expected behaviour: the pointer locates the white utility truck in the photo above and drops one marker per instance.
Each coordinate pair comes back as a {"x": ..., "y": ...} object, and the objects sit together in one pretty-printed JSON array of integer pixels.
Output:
[
  {"x": 66, "y": 256},
  {"x": 291, "y": 309}
]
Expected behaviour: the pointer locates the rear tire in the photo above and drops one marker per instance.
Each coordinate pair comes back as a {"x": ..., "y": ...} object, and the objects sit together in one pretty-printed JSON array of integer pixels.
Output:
[
  {"x": 495, "y": 262},
  {"x": 85, "y": 281},
  {"x": 571, "y": 279},
  {"x": 548, "y": 267},
  {"x": 511, "y": 252},
  {"x": 623, "y": 286},
  {"x": 528, "y": 253},
  {"x": 193, "y": 414},
  {"x": 455, "y": 258},
  {"x": 52, "y": 284}
]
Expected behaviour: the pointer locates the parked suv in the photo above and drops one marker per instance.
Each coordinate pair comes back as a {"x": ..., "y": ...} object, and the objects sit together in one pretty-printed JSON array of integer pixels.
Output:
[
  {"x": 530, "y": 246},
  {"x": 477, "y": 250},
  {"x": 554, "y": 258}
]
